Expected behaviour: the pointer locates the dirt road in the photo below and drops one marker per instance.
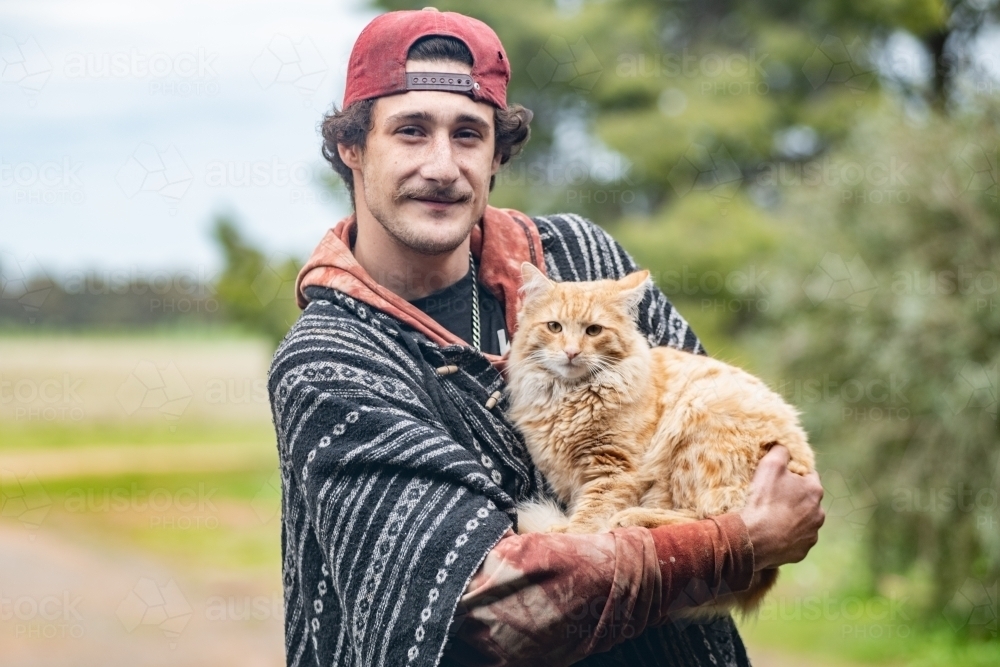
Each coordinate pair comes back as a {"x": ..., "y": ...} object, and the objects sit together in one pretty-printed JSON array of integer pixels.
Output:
[{"x": 72, "y": 602}]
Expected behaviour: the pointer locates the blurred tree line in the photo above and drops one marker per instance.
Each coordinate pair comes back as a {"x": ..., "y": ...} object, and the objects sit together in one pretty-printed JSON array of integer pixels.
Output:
[
  {"x": 252, "y": 293},
  {"x": 815, "y": 186}
]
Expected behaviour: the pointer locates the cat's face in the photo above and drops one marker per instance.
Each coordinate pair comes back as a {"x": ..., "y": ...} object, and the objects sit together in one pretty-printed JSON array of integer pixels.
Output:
[{"x": 573, "y": 330}]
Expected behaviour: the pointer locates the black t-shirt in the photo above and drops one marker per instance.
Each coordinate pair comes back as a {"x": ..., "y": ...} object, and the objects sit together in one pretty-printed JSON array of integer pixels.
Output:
[{"x": 451, "y": 307}]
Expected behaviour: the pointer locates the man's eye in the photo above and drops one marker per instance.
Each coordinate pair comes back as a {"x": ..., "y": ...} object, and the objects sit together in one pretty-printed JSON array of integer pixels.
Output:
[
  {"x": 467, "y": 134},
  {"x": 410, "y": 131}
]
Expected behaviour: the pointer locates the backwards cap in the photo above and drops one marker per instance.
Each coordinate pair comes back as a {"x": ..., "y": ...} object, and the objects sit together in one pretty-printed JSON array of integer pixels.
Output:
[{"x": 378, "y": 60}]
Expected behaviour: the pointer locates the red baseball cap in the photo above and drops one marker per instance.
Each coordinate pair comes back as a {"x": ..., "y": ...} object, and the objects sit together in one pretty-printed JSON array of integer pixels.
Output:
[{"x": 378, "y": 60}]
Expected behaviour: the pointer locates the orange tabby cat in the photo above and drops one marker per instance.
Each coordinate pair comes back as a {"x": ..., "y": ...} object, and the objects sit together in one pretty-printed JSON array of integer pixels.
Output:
[{"x": 627, "y": 435}]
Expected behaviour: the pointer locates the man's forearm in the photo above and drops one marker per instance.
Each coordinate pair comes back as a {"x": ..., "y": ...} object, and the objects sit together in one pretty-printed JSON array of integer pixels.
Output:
[{"x": 553, "y": 599}]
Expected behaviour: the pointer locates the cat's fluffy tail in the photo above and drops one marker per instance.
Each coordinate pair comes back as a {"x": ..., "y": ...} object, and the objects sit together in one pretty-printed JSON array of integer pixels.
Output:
[{"x": 538, "y": 515}]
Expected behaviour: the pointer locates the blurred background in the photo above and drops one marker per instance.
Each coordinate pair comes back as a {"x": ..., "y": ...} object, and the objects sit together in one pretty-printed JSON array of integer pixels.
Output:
[{"x": 813, "y": 184}]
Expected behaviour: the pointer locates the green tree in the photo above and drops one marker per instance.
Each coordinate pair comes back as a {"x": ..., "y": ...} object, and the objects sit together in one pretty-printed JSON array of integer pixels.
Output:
[
  {"x": 896, "y": 306},
  {"x": 255, "y": 291}
]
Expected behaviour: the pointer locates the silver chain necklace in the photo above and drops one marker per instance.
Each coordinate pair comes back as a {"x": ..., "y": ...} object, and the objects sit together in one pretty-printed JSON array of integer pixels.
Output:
[{"x": 475, "y": 303}]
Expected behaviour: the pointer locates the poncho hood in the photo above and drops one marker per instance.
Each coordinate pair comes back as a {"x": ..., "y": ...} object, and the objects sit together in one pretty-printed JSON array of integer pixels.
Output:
[{"x": 500, "y": 242}]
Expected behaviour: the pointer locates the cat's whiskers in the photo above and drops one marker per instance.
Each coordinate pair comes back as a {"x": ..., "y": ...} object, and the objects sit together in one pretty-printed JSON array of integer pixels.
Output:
[{"x": 534, "y": 359}]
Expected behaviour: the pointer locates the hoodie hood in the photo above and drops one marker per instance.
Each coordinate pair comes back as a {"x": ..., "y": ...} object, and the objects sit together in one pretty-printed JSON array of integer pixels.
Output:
[{"x": 500, "y": 242}]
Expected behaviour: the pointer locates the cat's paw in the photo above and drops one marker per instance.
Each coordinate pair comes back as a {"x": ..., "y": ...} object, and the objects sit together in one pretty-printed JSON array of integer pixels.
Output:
[
  {"x": 650, "y": 517},
  {"x": 799, "y": 468},
  {"x": 626, "y": 518},
  {"x": 575, "y": 528}
]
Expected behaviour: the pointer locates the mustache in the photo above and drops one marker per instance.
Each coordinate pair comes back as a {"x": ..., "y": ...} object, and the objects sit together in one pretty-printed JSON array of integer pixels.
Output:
[{"x": 451, "y": 195}]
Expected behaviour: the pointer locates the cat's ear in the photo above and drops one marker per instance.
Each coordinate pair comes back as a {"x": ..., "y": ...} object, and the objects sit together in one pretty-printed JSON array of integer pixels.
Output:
[
  {"x": 534, "y": 282},
  {"x": 632, "y": 289}
]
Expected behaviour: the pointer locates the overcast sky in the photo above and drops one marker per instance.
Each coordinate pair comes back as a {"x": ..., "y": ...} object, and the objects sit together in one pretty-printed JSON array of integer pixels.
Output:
[{"x": 127, "y": 124}]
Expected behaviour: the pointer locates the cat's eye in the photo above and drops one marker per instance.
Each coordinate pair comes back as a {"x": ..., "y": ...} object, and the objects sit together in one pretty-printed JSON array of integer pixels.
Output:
[
  {"x": 594, "y": 329},
  {"x": 554, "y": 327}
]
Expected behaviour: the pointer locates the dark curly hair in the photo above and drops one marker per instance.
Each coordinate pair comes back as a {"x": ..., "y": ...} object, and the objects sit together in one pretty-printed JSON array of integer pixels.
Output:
[{"x": 350, "y": 126}]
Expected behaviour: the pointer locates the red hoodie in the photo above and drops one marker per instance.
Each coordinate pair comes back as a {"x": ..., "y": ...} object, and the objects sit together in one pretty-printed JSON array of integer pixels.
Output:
[{"x": 502, "y": 241}]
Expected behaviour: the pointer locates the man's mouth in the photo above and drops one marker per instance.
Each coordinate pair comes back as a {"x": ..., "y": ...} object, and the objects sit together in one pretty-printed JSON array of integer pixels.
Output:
[{"x": 438, "y": 201}]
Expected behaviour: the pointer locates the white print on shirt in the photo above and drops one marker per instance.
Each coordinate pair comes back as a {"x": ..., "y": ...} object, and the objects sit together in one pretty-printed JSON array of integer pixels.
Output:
[{"x": 504, "y": 343}]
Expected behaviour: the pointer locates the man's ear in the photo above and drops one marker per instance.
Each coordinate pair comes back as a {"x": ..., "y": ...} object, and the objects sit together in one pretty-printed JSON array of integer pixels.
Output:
[
  {"x": 350, "y": 155},
  {"x": 495, "y": 167}
]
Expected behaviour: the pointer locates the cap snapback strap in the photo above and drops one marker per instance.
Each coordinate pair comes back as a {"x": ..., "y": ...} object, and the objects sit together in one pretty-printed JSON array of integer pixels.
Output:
[{"x": 460, "y": 83}]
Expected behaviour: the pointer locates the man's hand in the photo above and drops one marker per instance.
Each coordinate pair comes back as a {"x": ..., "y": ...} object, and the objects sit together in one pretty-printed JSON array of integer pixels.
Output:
[{"x": 782, "y": 514}]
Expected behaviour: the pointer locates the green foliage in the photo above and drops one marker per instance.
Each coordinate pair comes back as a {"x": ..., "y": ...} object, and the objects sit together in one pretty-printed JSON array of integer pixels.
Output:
[
  {"x": 917, "y": 309},
  {"x": 255, "y": 291},
  {"x": 828, "y": 226},
  {"x": 714, "y": 262}
]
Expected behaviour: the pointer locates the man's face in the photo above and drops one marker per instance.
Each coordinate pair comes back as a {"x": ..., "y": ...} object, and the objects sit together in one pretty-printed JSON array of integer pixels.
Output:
[{"x": 425, "y": 169}]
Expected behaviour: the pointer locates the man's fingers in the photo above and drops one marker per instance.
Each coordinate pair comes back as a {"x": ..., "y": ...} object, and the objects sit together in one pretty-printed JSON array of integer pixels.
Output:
[
  {"x": 777, "y": 456},
  {"x": 815, "y": 482}
]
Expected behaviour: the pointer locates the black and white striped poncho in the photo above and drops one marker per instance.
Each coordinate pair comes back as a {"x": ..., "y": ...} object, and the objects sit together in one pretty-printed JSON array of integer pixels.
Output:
[{"x": 398, "y": 482}]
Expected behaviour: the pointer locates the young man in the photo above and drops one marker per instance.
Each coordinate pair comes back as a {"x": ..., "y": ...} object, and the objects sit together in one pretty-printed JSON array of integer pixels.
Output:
[{"x": 400, "y": 470}]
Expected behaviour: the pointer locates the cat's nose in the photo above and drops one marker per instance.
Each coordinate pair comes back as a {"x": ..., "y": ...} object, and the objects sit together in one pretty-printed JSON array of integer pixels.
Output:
[{"x": 570, "y": 353}]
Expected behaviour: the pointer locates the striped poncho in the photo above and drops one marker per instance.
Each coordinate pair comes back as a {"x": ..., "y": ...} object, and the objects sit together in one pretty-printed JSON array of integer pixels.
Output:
[{"x": 398, "y": 480}]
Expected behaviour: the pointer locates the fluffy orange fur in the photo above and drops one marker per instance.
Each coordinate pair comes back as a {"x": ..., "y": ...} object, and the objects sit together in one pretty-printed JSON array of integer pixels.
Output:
[{"x": 629, "y": 435}]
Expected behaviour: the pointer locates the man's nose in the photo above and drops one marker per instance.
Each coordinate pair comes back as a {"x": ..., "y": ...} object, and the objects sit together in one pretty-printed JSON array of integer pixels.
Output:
[{"x": 440, "y": 166}]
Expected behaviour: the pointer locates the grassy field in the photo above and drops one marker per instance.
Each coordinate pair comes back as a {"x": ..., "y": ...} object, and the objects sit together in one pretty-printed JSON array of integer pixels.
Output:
[
  {"x": 147, "y": 532},
  {"x": 818, "y": 614}
]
